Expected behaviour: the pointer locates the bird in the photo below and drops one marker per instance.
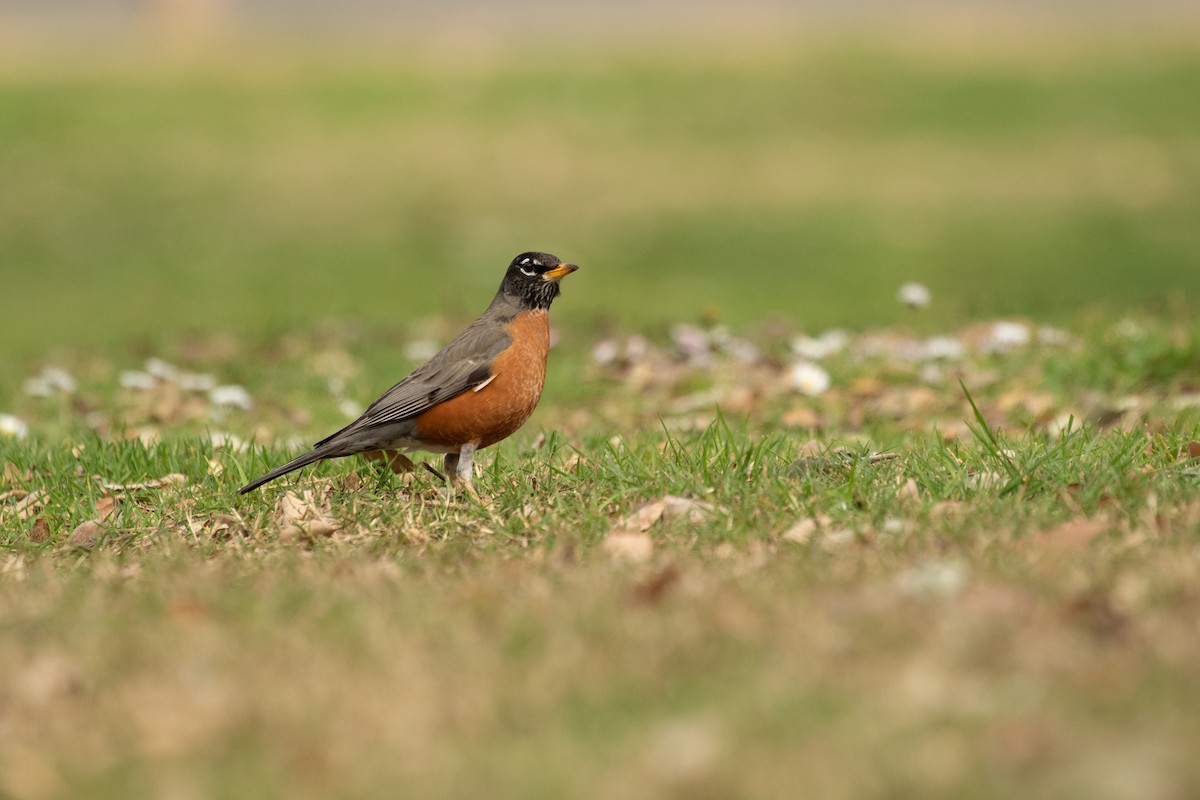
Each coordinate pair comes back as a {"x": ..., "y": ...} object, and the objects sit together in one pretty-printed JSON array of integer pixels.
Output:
[{"x": 477, "y": 390}]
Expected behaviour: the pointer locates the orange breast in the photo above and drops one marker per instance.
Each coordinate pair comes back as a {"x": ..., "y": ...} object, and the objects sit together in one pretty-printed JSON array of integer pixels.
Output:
[{"x": 497, "y": 410}]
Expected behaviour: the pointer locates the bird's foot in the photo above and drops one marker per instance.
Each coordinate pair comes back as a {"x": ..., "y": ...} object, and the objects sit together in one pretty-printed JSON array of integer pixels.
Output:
[
  {"x": 460, "y": 471},
  {"x": 460, "y": 466}
]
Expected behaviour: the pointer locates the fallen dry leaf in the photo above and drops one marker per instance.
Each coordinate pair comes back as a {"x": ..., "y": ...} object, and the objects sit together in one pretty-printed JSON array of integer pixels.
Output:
[
  {"x": 40, "y": 532},
  {"x": 654, "y": 588},
  {"x": 314, "y": 529},
  {"x": 907, "y": 402},
  {"x": 909, "y": 490},
  {"x": 300, "y": 517},
  {"x": 1193, "y": 449},
  {"x": 802, "y": 417},
  {"x": 740, "y": 400},
  {"x": 813, "y": 447},
  {"x": 173, "y": 479},
  {"x": 866, "y": 386},
  {"x": 86, "y": 533},
  {"x": 668, "y": 508},
  {"x": 685, "y": 508},
  {"x": 106, "y": 505},
  {"x": 802, "y": 531},
  {"x": 216, "y": 525},
  {"x": 14, "y": 475},
  {"x": 1035, "y": 404},
  {"x": 1075, "y": 534},
  {"x": 28, "y": 506},
  {"x": 628, "y": 539},
  {"x": 644, "y": 518},
  {"x": 629, "y": 546},
  {"x": 291, "y": 508}
]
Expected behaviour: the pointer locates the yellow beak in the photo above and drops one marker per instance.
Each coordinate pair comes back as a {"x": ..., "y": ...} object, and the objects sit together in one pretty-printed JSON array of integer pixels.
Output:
[{"x": 558, "y": 272}]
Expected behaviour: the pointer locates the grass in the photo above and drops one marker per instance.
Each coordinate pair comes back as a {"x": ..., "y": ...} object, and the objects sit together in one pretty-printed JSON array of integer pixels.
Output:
[
  {"x": 260, "y": 194},
  {"x": 966, "y": 568},
  {"x": 1005, "y": 605}
]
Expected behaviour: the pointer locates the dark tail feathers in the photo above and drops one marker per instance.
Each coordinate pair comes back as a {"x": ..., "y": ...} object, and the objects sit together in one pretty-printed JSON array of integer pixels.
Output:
[{"x": 291, "y": 466}]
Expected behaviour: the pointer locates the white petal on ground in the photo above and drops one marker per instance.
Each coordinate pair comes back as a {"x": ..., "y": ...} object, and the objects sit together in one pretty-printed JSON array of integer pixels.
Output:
[
  {"x": 636, "y": 348},
  {"x": 13, "y": 426},
  {"x": 946, "y": 347},
  {"x": 136, "y": 380},
  {"x": 931, "y": 373},
  {"x": 37, "y": 387},
  {"x": 1062, "y": 423},
  {"x": 914, "y": 295},
  {"x": 231, "y": 395},
  {"x": 1006, "y": 336},
  {"x": 51, "y": 381},
  {"x": 58, "y": 378},
  {"x": 691, "y": 341},
  {"x": 227, "y": 441},
  {"x": 741, "y": 350},
  {"x": 1055, "y": 337},
  {"x": 606, "y": 351},
  {"x": 823, "y": 346},
  {"x": 808, "y": 378},
  {"x": 161, "y": 369}
]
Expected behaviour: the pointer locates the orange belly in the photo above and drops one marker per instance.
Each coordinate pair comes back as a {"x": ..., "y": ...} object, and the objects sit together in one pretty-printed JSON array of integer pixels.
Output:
[{"x": 502, "y": 406}]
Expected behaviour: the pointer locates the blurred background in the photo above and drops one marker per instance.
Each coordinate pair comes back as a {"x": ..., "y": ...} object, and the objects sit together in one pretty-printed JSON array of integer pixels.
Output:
[{"x": 258, "y": 166}]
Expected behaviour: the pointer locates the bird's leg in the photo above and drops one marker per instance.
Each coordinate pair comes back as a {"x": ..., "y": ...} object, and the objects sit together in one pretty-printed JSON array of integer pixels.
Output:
[
  {"x": 466, "y": 469},
  {"x": 459, "y": 468}
]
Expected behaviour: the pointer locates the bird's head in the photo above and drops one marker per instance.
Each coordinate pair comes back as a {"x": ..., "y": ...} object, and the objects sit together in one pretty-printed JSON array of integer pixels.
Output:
[{"x": 532, "y": 279}]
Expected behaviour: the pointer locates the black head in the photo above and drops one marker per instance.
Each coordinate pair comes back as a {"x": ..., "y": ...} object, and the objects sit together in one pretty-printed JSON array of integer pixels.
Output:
[{"x": 532, "y": 279}]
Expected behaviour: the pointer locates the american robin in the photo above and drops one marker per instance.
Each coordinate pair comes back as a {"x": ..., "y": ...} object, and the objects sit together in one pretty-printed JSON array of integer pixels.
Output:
[{"x": 477, "y": 391}]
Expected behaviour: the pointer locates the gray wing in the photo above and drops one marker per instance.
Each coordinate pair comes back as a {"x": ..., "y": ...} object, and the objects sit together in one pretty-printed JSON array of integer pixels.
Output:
[{"x": 461, "y": 365}]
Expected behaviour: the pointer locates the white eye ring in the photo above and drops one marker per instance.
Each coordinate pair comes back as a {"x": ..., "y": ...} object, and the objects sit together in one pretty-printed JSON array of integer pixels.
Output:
[{"x": 528, "y": 272}]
